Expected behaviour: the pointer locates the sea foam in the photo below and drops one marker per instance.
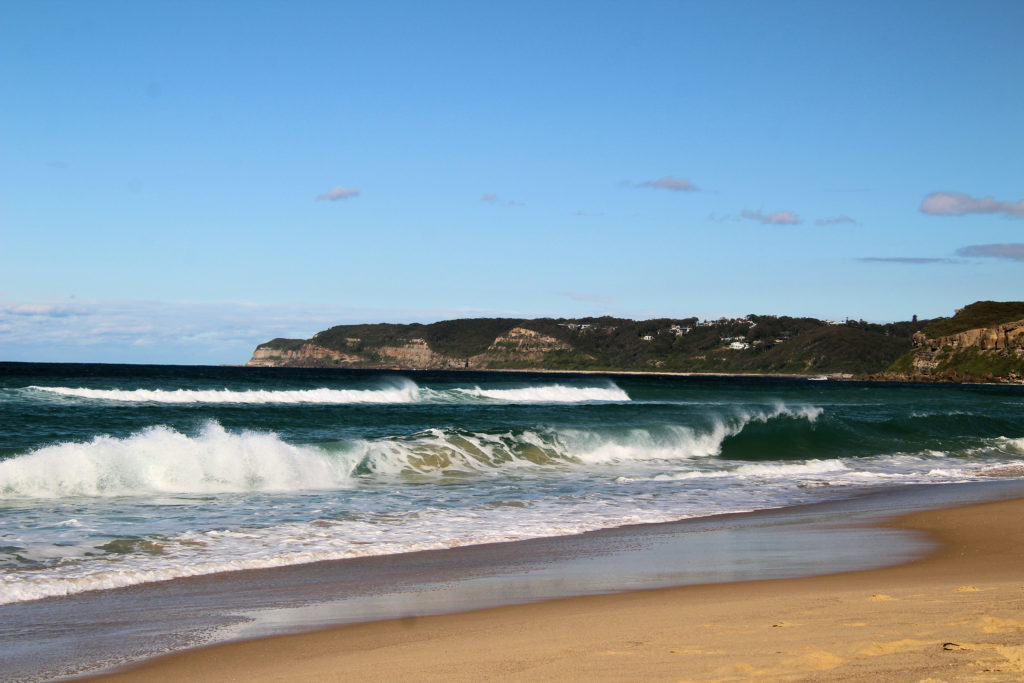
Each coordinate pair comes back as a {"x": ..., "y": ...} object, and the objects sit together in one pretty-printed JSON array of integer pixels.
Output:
[
  {"x": 400, "y": 391},
  {"x": 397, "y": 390},
  {"x": 553, "y": 393},
  {"x": 162, "y": 460}
]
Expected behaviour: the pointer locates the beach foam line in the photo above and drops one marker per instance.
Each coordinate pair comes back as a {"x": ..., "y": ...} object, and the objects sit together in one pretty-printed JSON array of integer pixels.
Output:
[{"x": 903, "y": 622}]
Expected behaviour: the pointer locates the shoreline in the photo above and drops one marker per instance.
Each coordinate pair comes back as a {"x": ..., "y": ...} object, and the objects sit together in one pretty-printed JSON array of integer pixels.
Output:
[
  {"x": 876, "y": 378},
  {"x": 948, "y": 613},
  {"x": 832, "y": 376}
]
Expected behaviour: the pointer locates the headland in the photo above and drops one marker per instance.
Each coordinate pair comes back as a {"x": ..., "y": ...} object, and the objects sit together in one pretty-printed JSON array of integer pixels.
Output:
[{"x": 982, "y": 342}]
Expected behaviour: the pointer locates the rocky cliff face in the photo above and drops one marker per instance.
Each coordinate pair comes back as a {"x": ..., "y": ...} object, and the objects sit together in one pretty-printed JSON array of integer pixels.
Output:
[
  {"x": 982, "y": 354},
  {"x": 1005, "y": 336},
  {"x": 416, "y": 354},
  {"x": 519, "y": 346},
  {"x": 304, "y": 356}
]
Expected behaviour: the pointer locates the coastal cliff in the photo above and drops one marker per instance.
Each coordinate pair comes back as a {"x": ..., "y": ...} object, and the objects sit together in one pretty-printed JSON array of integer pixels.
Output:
[
  {"x": 753, "y": 344},
  {"x": 518, "y": 347},
  {"x": 983, "y": 342},
  {"x": 959, "y": 349},
  {"x": 302, "y": 355}
]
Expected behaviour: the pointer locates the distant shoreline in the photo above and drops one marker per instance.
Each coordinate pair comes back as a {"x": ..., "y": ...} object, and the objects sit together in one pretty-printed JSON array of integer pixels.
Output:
[{"x": 830, "y": 376}]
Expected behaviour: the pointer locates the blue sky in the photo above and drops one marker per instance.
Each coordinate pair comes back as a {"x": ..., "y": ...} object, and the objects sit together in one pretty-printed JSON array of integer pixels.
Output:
[{"x": 180, "y": 181}]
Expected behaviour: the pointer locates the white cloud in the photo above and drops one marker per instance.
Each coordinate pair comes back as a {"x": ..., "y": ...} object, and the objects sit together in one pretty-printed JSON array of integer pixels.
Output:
[
  {"x": 775, "y": 218},
  {"x": 42, "y": 310},
  {"x": 114, "y": 331},
  {"x": 1013, "y": 251},
  {"x": 670, "y": 183},
  {"x": 959, "y": 204},
  {"x": 339, "y": 192}
]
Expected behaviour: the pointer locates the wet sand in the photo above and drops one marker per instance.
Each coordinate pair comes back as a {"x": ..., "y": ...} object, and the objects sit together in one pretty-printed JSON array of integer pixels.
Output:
[{"x": 955, "y": 615}]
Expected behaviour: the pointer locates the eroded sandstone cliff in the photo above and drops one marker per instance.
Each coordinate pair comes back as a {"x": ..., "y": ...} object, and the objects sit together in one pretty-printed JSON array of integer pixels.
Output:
[
  {"x": 519, "y": 347},
  {"x": 303, "y": 356},
  {"x": 982, "y": 342},
  {"x": 990, "y": 354}
]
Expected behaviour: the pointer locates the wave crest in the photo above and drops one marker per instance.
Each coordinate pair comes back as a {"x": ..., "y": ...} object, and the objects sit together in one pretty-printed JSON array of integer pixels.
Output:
[
  {"x": 162, "y": 460},
  {"x": 400, "y": 391},
  {"x": 554, "y": 393}
]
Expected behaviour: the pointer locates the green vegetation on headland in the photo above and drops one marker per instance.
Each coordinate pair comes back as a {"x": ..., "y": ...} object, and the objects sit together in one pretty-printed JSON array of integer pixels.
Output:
[
  {"x": 983, "y": 342},
  {"x": 755, "y": 344},
  {"x": 978, "y": 315}
]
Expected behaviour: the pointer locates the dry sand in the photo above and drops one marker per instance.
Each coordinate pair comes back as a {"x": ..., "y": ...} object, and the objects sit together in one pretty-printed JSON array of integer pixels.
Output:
[{"x": 957, "y": 615}]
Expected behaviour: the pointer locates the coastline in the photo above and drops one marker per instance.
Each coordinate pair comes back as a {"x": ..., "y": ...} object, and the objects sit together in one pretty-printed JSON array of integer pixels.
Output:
[
  {"x": 878, "y": 378},
  {"x": 952, "y": 614}
]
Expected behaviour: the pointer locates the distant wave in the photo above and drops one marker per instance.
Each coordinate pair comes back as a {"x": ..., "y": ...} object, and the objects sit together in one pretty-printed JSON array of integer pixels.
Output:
[
  {"x": 553, "y": 393},
  {"x": 400, "y": 390}
]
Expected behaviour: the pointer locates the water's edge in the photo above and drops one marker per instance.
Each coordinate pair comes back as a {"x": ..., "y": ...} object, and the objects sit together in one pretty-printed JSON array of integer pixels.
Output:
[{"x": 107, "y": 630}]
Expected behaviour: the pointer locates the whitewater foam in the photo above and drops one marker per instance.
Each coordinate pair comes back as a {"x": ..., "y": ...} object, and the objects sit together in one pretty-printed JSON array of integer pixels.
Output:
[
  {"x": 401, "y": 391},
  {"x": 162, "y": 460},
  {"x": 555, "y": 393},
  {"x": 397, "y": 390},
  {"x": 673, "y": 442}
]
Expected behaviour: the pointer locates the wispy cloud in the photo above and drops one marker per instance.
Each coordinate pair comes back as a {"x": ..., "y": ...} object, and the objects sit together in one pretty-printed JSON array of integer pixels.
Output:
[
  {"x": 775, "y": 218},
  {"x": 670, "y": 183},
  {"x": 137, "y": 331},
  {"x": 912, "y": 260},
  {"x": 959, "y": 204},
  {"x": 339, "y": 192},
  {"x": 837, "y": 220},
  {"x": 492, "y": 198},
  {"x": 41, "y": 310},
  {"x": 1013, "y": 251}
]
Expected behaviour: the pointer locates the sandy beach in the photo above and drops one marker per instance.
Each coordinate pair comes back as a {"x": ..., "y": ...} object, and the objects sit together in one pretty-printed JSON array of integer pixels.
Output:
[{"x": 956, "y": 615}]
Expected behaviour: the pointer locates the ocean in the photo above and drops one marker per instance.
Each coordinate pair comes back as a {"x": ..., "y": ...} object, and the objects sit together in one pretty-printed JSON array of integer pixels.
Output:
[{"x": 122, "y": 476}]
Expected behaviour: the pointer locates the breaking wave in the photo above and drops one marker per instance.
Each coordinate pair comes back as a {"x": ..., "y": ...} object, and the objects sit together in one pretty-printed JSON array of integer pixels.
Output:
[
  {"x": 161, "y": 460},
  {"x": 400, "y": 390},
  {"x": 554, "y": 393}
]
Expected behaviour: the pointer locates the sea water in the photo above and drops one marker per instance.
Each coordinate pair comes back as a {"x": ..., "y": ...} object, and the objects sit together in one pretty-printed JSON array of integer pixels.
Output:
[{"x": 114, "y": 476}]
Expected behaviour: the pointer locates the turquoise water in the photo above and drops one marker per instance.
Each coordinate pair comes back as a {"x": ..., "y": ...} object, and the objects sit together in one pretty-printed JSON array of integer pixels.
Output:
[{"x": 117, "y": 475}]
